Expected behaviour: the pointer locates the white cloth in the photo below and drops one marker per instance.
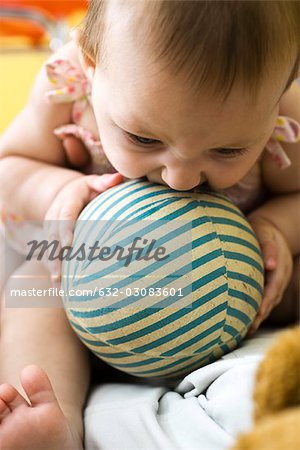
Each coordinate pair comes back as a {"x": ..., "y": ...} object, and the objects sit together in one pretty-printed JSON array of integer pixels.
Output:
[{"x": 206, "y": 411}]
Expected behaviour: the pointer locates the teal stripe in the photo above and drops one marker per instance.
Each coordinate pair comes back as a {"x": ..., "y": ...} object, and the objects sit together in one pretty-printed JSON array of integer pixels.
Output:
[
  {"x": 244, "y": 258},
  {"x": 194, "y": 340},
  {"x": 174, "y": 233},
  {"x": 108, "y": 196},
  {"x": 158, "y": 324},
  {"x": 160, "y": 369},
  {"x": 244, "y": 297},
  {"x": 113, "y": 217},
  {"x": 92, "y": 342},
  {"x": 171, "y": 216},
  {"x": 239, "y": 337},
  {"x": 111, "y": 194},
  {"x": 239, "y": 241},
  {"x": 239, "y": 315},
  {"x": 116, "y": 225},
  {"x": 126, "y": 191},
  {"x": 135, "y": 364},
  {"x": 231, "y": 330},
  {"x": 135, "y": 201},
  {"x": 142, "y": 274},
  {"x": 184, "y": 329},
  {"x": 224, "y": 347},
  {"x": 123, "y": 283},
  {"x": 157, "y": 206},
  {"x": 148, "y": 228},
  {"x": 245, "y": 279},
  {"x": 216, "y": 194},
  {"x": 141, "y": 212},
  {"x": 207, "y": 258},
  {"x": 236, "y": 334},
  {"x": 152, "y": 360},
  {"x": 234, "y": 223},
  {"x": 184, "y": 369},
  {"x": 235, "y": 211},
  {"x": 221, "y": 271},
  {"x": 120, "y": 355},
  {"x": 172, "y": 318},
  {"x": 77, "y": 327}
]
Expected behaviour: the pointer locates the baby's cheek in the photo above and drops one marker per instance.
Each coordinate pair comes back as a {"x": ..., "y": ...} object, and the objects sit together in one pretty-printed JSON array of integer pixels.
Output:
[
  {"x": 227, "y": 177},
  {"x": 127, "y": 165}
]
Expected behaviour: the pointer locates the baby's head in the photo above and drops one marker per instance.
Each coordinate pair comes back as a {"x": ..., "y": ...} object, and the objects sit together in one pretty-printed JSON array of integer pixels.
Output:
[{"x": 187, "y": 91}]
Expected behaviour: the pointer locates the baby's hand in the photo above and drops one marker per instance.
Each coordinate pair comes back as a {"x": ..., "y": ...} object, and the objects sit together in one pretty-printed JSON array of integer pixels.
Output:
[
  {"x": 278, "y": 263},
  {"x": 76, "y": 152},
  {"x": 65, "y": 209}
]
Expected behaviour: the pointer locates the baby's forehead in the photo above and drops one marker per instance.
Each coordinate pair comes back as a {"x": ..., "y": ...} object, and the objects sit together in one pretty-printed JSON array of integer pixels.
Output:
[
  {"x": 178, "y": 39},
  {"x": 138, "y": 79}
]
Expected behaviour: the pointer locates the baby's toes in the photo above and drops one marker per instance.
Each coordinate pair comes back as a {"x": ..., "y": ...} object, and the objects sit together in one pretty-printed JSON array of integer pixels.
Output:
[
  {"x": 37, "y": 386},
  {"x": 4, "y": 410},
  {"x": 11, "y": 397}
]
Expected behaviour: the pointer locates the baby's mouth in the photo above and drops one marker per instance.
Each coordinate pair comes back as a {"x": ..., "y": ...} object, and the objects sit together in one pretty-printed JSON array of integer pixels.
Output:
[
  {"x": 200, "y": 186},
  {"x": 155, "y": 180}
]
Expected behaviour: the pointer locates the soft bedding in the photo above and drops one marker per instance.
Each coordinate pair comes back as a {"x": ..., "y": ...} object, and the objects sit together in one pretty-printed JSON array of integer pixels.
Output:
[{"x": 206, "y": 411}]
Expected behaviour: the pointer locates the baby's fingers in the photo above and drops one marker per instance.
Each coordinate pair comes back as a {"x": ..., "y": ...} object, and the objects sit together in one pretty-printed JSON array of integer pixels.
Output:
[
  {"x": 270, "y": 254},
  {"x": 272, "y": 296},
  {"x": 100, "y": 183}
]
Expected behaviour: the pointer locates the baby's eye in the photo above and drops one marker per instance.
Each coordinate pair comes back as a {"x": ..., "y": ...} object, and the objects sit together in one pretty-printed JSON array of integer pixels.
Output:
[
  {"x": 230, "y": 152},
  {"x": 142, "y": 140}
]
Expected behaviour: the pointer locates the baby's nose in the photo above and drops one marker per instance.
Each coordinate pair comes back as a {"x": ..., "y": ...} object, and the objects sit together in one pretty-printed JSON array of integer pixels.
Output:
[{"x": 181, "y": 179}]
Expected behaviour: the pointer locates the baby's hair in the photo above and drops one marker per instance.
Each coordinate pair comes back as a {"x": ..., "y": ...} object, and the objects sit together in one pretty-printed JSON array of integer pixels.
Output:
[{"x": 211, "y": 42}]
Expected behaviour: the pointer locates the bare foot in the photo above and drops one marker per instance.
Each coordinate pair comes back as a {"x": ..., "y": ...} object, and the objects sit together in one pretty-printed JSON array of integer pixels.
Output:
[{"x": 40, "y": 425}]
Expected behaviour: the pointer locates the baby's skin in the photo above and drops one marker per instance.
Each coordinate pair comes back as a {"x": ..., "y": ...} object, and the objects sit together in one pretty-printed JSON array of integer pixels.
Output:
[
  {"x": 151, "y": 124},
  {"x": 39, "y": 424}
]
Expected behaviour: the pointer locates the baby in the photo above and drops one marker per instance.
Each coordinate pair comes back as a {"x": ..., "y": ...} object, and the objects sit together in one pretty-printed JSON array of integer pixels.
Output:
[{"x": 182, "y": 93}]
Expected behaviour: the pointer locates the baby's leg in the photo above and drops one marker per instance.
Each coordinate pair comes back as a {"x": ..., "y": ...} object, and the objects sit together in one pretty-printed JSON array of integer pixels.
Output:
[
  {"x": 288, "y": 310},
  {"x": 43, "y": 337},
  {"x": 10, "y": 260}
]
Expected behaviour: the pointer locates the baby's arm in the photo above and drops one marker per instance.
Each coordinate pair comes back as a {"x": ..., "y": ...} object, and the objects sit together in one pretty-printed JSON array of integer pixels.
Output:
[
  {"x": 31, "y": 133},
  {"x": 31, "y": 136},
  {"x": 282, "y": 210},
  {"x": 36, "y": 183},
  {"x": 277, "y": 221},
  {"x": 34, "y": 167}
]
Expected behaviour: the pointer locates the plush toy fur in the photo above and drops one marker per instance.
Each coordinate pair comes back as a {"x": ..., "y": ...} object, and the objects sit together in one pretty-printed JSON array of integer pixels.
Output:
[{"x": 277, "y": 398}]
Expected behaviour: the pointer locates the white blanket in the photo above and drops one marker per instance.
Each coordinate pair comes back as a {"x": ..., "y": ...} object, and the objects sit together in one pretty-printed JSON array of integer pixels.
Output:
[{"x": 206, "y": 411}]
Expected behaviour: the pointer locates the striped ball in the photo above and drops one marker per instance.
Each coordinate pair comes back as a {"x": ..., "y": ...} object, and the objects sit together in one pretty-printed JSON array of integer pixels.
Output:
[{"x": 206, "y": 287}]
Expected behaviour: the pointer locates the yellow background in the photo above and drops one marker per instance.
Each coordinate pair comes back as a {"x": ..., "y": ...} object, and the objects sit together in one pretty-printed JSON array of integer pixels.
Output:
[
  {"x": 17, "y": 71},
  {"x": 19, "y": 63}
]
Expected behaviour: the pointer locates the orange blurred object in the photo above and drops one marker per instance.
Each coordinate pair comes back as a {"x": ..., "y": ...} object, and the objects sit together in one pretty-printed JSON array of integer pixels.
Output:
[
  {"x": 57, "y": 8},
  {"x": 28, "y": 17}
]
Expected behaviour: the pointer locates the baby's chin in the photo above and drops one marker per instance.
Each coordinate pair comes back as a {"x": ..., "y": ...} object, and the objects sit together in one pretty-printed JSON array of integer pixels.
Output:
[{"x": 155, "y": 179}]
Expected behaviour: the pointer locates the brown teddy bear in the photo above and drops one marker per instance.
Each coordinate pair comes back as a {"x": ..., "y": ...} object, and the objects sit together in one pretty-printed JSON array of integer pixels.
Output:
[{"x": 276, "y": 398}]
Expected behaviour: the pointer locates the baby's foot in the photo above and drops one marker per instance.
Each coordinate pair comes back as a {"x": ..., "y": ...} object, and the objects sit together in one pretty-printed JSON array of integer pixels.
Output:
[{"x": 39, "y": 426}]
